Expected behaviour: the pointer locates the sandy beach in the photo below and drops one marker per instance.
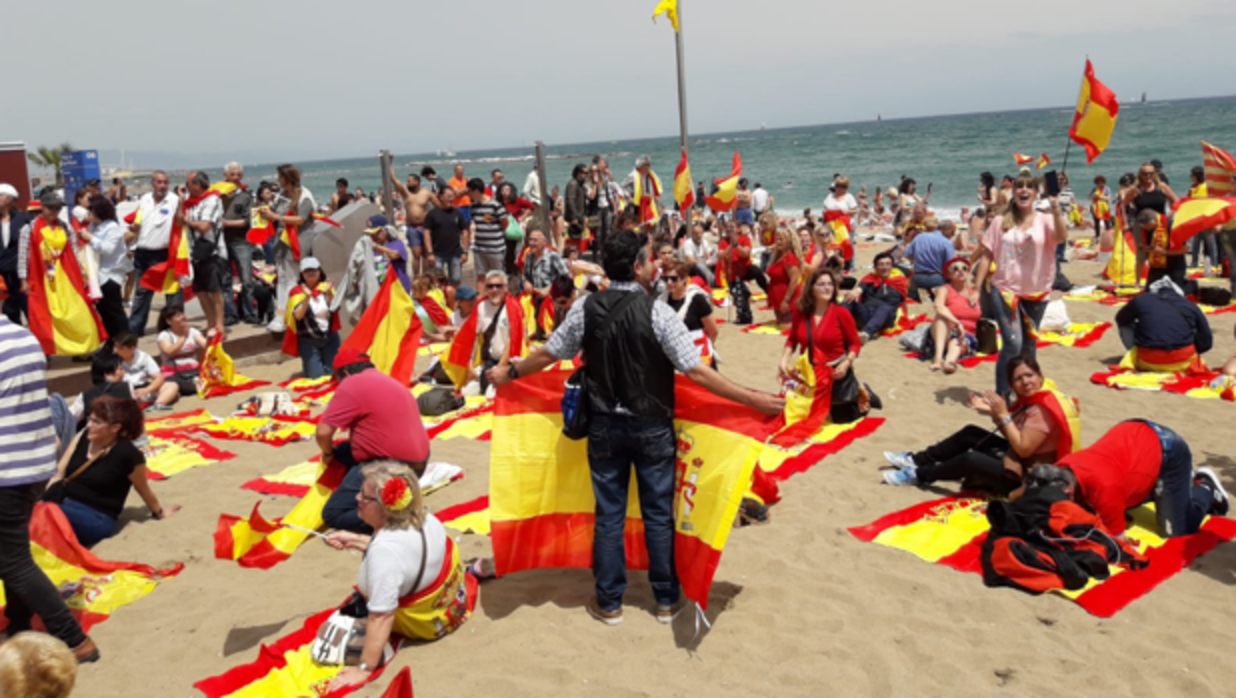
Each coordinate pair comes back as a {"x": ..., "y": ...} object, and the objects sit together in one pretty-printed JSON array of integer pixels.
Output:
[{"x": 799, "y": 607}]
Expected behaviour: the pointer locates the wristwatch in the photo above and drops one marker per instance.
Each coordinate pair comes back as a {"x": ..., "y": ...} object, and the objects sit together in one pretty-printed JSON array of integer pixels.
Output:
[
  {"x": 364, "y": 667},
  {"x": 1008, "y": 419},
  {"x": 513, "y": 371}
]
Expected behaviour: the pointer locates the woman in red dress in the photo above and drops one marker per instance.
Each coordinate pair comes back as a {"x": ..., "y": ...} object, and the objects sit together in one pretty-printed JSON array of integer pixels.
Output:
[{"x": 784, "y": 274}]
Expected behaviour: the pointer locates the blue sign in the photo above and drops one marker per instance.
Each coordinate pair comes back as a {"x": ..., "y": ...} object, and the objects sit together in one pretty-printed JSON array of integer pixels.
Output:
[{"x": 78, "y": 167}]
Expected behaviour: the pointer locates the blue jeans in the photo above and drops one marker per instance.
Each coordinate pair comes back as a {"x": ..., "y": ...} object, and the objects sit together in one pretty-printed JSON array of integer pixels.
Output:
[
  {"x": 615, "y": 443},
  {"x": 1179, "y": 505},
  {"x": 1018, "y": 330},
  {"x": 743, "y": 216},
  {"x": 453, "y": 268},
  {"x": 872, "y": 318},
  {"x": 340, "y": 511},
  {"x": 317, "y": 361},
  {"x": 90, "y": 525},
  {"x": 139, "y": 315},
  {"x": 925, "y": 281},
  {"x": 1206, "y": 239},
  {"x": 240, "y": 252}
]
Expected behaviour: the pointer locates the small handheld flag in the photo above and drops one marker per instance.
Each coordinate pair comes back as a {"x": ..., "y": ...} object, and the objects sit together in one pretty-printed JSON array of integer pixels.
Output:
[
  {"x": 1023, "y": 159},
  {"x": 1044, "y": 161}
]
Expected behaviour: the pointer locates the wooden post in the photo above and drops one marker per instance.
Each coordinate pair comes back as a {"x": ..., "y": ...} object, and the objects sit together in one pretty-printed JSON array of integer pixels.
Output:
[
  {"x": 385, "y": 162},
  {"x": 543, "y": 210}
]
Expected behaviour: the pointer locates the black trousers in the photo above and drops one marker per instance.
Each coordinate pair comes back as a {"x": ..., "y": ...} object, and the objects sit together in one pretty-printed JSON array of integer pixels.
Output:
[
  {"x": 15, "y": 304},
  {"x": 111, "y": 309},
  {"x": 27, "y": 590},
  {"x": 972, "y": 453}
]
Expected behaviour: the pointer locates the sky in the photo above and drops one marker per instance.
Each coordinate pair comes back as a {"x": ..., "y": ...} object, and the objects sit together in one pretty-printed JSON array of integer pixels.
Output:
[{"x": 311, "y": 79}]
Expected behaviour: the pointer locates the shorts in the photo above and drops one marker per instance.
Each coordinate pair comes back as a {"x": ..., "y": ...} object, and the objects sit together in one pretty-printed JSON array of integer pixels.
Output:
[
  {"x": 743, "y": 216},
  {"x": 208, "y": 275},
  {"x": 485, "y": 262},
  {"x": 186, "y": 381},
  {"x": 466, "y": 211},
  {"x": 416, "y": 236},
  {"x": 453, "y": 269}
]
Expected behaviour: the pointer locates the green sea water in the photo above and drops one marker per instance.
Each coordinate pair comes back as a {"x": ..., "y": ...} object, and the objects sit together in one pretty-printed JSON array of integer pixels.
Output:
[{"x": 797, "y": 164}]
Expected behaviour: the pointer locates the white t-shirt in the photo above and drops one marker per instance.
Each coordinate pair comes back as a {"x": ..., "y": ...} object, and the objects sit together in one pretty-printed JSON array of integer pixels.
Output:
[
  {"x": 485, "y": 313},
  {"x": 393, "y": 561},
  {"x": 846, "y": 203},
  {"x": 702, "y": 253},
  {"x": 6, "y": 230},
  {"x": 319, "y": 309},
  {"x": 156, "y": 220},
  {"x": 186, "y": 359},
  {"x": 759, "y": 200},
  {"x": 142, "y": 371}
]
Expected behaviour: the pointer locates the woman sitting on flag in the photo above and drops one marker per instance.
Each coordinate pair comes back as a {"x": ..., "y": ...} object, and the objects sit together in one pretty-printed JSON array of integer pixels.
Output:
[
  {"x": 825, "y": 333},
  {"x": 692, "y": 304},
  {"x": 100, "y": 467},
  {"x": 181, "y": 349},
  {"x": 312, "y": 325},
  {"x": 1042, "y": 426},
  {"x": 411, "y": 578},
  {"x": 784, "y": 275},
  {"x": 1022, "y": 243},
  {"x": 958, "y": 310}
]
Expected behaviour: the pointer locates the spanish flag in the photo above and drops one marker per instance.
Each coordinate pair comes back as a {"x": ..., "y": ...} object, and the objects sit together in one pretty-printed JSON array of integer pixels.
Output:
[
  {"x": 1064, "y": 411},
  {"x": 60, "y": 316},
  {"x": 1022, "y": 159},
  {"x": 254, "y": 541},
  {"x": 1196, "y": 215},
  {"x": 542, "y": 508},
  {"x": 165, "y": 277},
  {"x": 1122, "y": 267},
  {"x": 842, "y": 225},
  {"x": 725, "y": 197},
  {"x": 669, "y": 8},
  {"x": 92, "y": 588},
  {"x": 1044, "y": 161},
  {"x": 260, "y": 229},
  {"x": 465, "y": 349},
  {"x": 684, "y": 189},
  {"x": 217, "y": 375},
  {"x": 1097, "y": 108},
  {"x": 389, "y": 331},
  {"x": 298, "y": 295}
]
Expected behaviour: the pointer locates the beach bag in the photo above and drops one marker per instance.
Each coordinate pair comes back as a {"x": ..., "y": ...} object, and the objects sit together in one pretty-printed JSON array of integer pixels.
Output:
[
  {"x": 575, "y": 409},
  {"x": 439, "y": 401},
  {"x": 1055, "y": 317},
  {"x": 514, "y": 231},
  {"x": 987, "y": 335},
  {"x": 916, "y": 340}
]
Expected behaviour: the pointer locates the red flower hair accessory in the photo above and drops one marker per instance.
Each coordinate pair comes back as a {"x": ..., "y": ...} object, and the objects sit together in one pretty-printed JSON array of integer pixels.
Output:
[{"x": 396, "y": 495}]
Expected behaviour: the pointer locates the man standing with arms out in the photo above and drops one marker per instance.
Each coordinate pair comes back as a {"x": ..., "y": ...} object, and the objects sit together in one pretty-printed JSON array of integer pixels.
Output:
[
  {"x": 447, "y": 238},
  {"x": 460, "y": 184},
  {"x": 416, "y": 201},
  {"x": 761, "y": 201},
  {"x": 29, "y": 447},
  {"x": 489, "y": 220},
  {"x": 201, "y": 217},
  {"x": 342, "y": 197},
  {"x": 237, "y": 208},
  {"x": 156, "y": 213},
  {"x": 742, "y": 204},
  {"x": 632, "y": 415},
  {"x": 643, "y": 188},
  {"x": 11, "y": 223}
]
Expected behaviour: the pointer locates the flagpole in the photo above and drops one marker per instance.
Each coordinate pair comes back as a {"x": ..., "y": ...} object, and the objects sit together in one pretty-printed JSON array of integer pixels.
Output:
[
  {"x": 682, "y": 100},
  {"x": 1069, "y": 141}
]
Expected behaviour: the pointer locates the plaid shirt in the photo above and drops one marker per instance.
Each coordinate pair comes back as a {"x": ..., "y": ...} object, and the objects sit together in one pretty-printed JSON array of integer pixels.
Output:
[
  {"x": 545, "y": 269},
  {"x": 672, "y": 334},
  {"x": 209, "y": 209}
]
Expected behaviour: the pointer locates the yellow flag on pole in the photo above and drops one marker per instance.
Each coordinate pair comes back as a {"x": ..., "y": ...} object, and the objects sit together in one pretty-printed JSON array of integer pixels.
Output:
[{"x": 669, "y": 8}]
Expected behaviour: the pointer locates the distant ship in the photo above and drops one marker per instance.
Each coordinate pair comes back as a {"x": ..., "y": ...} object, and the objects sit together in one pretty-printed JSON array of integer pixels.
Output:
[
  {"x": 763, "y": 126},
  {"x": 1143, "y": 98},
  {"x": 878, "y": 118}
]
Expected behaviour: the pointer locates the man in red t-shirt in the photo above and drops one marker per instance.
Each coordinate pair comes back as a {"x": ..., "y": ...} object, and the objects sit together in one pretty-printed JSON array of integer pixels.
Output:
[
  {"x": 383, "y": 422},
  {"x": 1120, "y": 471}
]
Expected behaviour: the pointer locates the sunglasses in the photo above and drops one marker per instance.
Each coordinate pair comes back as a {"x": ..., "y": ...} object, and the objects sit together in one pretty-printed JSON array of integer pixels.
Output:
[
  {"x": 959, "y": 267},
  {"x": 360, "y": 497},
  {"x": 672, "y": 279},
  {"x": 1025, "y": 185},
  {"x": 1146, "y": 173},
  {"x": 493, "y": 286}
]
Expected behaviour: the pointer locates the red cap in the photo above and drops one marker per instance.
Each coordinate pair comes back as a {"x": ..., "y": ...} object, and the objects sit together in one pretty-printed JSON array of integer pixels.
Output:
[{"x": 348, "y": 356}]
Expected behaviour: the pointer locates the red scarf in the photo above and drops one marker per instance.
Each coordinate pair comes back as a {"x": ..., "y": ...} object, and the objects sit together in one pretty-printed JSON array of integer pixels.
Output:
[{"x": 896, "y": 281}]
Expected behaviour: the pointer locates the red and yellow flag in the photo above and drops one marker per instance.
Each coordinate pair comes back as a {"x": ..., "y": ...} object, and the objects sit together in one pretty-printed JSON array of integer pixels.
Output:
[
  {"x": 1196, "y": 215},
  {"x": 684, "y": 188},
  {"x": 465, "y": 349},
  {"x": 389, "y": 331},
  {"x": 1064, "y": 410},
  {"x": 254, "y": 541},
  {"x": 299, "y": 294},
  {"x": 1220, "y": 169},
  {"x": 1097, "y": 109},
  {"x": 1022, "y": 159},
  {"x": 165, "y": 277},
  {"x": 218, "y": 376},
  {"x": 275, "y": 431},
  {"x": 170, "y": 453},
  {"x": 1044, "y": 161},
  {"x": 542, "y": 507},
  {"x": 725, "y": 197},
  {"x": 92, "y": 588},
  {"x": 60, "y": 316}
]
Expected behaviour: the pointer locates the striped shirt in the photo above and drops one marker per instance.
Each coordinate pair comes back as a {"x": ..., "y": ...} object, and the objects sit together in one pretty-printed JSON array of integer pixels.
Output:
[
  {"x": 490, "y": 221},
  {"x": 27, "y": 438}
]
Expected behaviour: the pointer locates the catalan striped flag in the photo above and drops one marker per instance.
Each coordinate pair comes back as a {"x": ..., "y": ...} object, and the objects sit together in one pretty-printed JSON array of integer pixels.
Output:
[
  {"x": 1097, "y": 109},
  {"x": 684, "y": 188},
  {"x": 541, "y": 501},
  {"x": 389, "y": 331}
]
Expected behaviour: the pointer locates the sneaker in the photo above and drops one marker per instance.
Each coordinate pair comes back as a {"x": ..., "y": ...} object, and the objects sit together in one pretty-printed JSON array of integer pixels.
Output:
[
  {"x": 901, "y": 478},
  {"x": 902, "y": 460},
  {"x": 160, "y": 408},
  {"x": 613, "y": 617},
  {"x": 667, "y": 614},
  {"x": 1210, "y": 480}
]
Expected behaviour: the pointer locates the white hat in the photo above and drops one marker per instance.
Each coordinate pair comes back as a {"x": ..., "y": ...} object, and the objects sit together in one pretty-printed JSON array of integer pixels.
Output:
[
  {"x": 8, "y": 189},
  {"x": 307, "y": 263}
]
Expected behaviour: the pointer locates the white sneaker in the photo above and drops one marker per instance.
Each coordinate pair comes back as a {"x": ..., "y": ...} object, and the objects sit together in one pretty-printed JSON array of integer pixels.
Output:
[
  {"x": 902, "y": 460},
  {"x": 276, "y": 327},
  {"x": 901, "y": 478}
]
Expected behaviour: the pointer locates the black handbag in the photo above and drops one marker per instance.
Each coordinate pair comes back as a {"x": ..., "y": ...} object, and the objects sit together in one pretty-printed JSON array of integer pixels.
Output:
[
  {"x": 986, "y": 335},
  {"x": 575, "y": 405},
  {"x": 203, "y": 248}
]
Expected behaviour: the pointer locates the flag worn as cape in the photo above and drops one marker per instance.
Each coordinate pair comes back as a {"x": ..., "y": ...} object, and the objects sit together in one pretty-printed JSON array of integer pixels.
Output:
[
  {"x": 896, "y": 281},
  {"x": 217, "y": 375},
  {"x": 389, "y": 331},
  {"x": 298, "y": 294},
  {"x": 684, "y": 189},
  {"x": 646, "y": 201},
  {"x": 256, "y": 542},
  {"x": 1064, "y": 411},
  {"x": 1097, "y": 109},
  {"x": 60, "y": 317},
  {"x": 542, "y": 507},
  {"x": 92, "y": 588},
  {"x": 465, "y": 348}
]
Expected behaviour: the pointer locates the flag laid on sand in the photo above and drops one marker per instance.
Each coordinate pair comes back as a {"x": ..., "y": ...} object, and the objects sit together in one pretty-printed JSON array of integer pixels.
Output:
[
  {"x": 950, "y": 531},
  {"x": 181, "y": 421},
  {"x": 389, "y": 332},
  {"x": 1097, "y": 108},
  {"x": 171, "y": 453},
  {"x": 469, "y": 517},
  {"x": 92, "y": 588},
  {"x": 297, "y": 480},
  {"x": 284, "y": 668},
  {"x": 256, "y": 542},
  {"x": 401, "y": 686},
  {"x": 1205, "y": 386},
  {"x": 541, "y": 501},
  {"x": 1079, "y": 334},
  {"x": 275, "y": 431},
  {"x": 218, "y": 376}
]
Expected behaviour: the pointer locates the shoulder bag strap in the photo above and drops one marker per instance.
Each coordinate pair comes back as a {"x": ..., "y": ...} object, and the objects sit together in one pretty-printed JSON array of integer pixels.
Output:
[
  {"x": 420, "y": 576},
  {"x": 89, "y": 461}
]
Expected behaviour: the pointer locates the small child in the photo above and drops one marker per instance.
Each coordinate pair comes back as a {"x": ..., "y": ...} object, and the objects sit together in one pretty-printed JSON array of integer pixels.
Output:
[{"x": 36, "y": 665}]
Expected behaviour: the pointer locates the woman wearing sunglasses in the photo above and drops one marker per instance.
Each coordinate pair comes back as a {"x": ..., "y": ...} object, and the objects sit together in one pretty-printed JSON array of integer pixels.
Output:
[
  {"x": 692, "y": 305},
  {"x": 1022, "y": 243},
  {"x": 1149, "y": 193},
  {"x": 957, "y": 316}
]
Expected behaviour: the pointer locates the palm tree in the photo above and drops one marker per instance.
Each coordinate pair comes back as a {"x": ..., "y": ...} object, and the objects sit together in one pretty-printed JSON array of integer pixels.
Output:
[{"x": 49, "y": 158}]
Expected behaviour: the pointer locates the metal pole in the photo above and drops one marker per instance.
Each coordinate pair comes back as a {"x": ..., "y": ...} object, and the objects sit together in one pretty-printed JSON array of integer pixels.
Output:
[
  {"x": 682, "y": 103},
  {"x": 385, "y": 162},
  {"x": 542, "y": 211}
]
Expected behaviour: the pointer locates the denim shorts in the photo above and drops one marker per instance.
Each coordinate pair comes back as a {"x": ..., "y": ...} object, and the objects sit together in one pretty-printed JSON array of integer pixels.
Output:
[
  {"x": 453, "y": 269},
  {"x": 416, "y": 236}
]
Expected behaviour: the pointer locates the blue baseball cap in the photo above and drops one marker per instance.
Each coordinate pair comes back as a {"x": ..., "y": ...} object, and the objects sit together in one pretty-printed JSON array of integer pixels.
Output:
[
  {"x": 375, "y": 223},
  {"x": 465, "y": 293}
]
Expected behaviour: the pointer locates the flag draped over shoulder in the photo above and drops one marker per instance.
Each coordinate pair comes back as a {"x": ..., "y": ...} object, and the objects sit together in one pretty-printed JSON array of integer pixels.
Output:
[
  {"x": 1095, "y": 119},
  {"x": 254, "y": 541},
  {"x": 684, "y": 189},
  {"x": 389, "y": 331},
  {"x": 464, "y": 347},
  {"x": 1063, "y": 409},
  {"x": 92, "y": 588},
  {"x": 542, "y": 508},
  {"x": 669, "y": 8}
]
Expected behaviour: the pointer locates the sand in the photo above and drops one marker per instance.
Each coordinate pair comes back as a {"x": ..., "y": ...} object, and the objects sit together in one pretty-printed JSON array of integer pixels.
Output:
[{"x": 799, "y": 607}]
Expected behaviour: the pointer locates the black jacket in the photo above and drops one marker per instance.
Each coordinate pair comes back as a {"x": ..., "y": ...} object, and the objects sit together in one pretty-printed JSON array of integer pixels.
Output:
[
  {"x": 1166, "y": 320},
  {"x": 8, "y": 255}
]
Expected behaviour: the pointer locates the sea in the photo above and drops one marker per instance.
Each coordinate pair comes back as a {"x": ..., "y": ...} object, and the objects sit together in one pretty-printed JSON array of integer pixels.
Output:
[{"x": 796, "y": 165}]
